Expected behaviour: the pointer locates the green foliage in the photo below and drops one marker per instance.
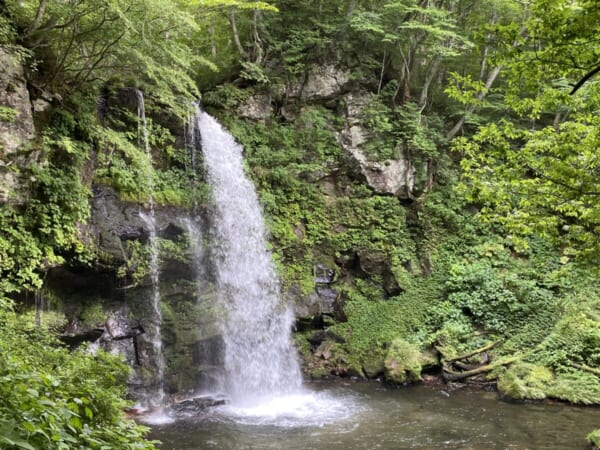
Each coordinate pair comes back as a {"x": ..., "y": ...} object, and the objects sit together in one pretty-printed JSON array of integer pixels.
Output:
[
  {"x": 534, "y": 171},
  {"x": 34, "y": 237},
  {"x": 225, "y": 96},
  {"x": 401, "y": 132},
  {"x": 85, "y": 43},
  {"x": 576, "y": 336},
  {"x": 55, "y": 399},
  {"x": 497, "y": 299}
]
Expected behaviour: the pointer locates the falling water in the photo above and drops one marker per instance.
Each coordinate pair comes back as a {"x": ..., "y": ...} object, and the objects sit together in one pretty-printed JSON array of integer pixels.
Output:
[
  {"x": 157, "y": 397},
  {"x": 260, "y": 360}
]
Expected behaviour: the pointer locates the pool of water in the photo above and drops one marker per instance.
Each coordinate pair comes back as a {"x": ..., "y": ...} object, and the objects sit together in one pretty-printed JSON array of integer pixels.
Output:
[{"x": 356, "y": 415}]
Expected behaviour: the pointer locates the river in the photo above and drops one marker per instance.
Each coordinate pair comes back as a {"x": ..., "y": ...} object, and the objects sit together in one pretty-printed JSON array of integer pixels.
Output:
[{"x": 358, "y": 415}]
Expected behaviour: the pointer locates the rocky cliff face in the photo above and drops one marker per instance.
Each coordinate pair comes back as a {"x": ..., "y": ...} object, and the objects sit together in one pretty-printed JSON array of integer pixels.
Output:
[
  {"x": 16, "y": 126},
  {"x": 109, "y": 303}
]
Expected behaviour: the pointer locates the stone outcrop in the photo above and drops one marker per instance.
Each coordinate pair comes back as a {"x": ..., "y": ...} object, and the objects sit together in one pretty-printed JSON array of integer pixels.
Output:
[
  {"x": 321, "y": 83},
  {"x": 392, "y": 176},
  {"x": 256, "y": 107},
  {"x": 16, "y": 123}
]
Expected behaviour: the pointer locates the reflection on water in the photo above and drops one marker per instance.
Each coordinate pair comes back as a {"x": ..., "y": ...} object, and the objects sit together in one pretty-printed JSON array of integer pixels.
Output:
[{"x": 370, "y": 416}]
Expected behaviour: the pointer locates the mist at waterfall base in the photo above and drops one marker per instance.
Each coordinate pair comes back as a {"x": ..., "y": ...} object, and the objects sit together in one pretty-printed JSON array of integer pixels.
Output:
[{"x": 261, "y": 381}]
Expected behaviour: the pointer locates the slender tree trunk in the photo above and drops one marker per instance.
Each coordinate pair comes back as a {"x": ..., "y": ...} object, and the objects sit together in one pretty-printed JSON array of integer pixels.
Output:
[
  {"x": 213, "y": 44},
  {"x": 488, "y": 84},
  {"x": 236, "y": 34},
  {"x": 382, "y": 72},
  {"x": 431, "y": 73},
  {"x": 258, "y": 50},
  {"x": 37, "y": 21}
]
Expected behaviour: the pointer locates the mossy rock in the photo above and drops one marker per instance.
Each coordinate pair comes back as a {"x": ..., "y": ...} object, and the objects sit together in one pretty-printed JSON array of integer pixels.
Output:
[
  {"x": 594, "y": 438},
  {"x": 402, "y": 362},
  {"x": 429, "y": 359},
  {"x": 525, "y": 381},
  {"x": 373, "y": 366},
  {"x": 320, "y": 372}
]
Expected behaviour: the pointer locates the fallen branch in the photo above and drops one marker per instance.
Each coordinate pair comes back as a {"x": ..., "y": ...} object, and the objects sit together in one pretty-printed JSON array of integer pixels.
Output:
[
  {"x": 586, "y": 368},
  {"x": 450, "y": 375},
  {"x": 474, "y": 352}
]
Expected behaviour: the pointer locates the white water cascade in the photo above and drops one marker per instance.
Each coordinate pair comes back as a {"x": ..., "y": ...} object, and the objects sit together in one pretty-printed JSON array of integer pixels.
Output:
[
  {"x": 260, "y": 360},
  {"x": 156, "y": 398}
]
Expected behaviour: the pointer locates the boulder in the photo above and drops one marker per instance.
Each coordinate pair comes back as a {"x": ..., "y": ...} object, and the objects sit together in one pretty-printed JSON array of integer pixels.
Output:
[
  {"x": 321, "y": 83},
  {"x": 402, "y": 362}
]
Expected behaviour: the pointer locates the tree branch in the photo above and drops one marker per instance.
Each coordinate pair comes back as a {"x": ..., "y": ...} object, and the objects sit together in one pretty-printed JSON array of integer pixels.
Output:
[{"x": 585, "y": 78}]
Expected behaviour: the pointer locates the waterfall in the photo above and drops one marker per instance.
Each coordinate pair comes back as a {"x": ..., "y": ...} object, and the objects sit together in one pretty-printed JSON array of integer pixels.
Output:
[
  {"x": 155, "y": 399},
  {"x": 260, "y": 360}
]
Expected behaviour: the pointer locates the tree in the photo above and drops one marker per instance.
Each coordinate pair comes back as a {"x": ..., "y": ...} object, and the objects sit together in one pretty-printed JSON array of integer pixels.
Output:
[{"x": 536, "y": 171}]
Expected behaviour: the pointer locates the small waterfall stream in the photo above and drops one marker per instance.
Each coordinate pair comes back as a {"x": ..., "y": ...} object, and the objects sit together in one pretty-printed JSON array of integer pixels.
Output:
[
  {"x": 156, "y": 398},
  {"x": 260, "y": 360}
]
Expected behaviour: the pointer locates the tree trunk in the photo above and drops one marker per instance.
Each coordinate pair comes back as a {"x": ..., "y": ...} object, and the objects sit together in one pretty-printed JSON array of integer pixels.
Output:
[
  {"x": 258, "y": 50},
  {"x": 213, "y": 44},
  {"x": 433, "y": 69},
  {"x": 488, "y": 84},
  {"x": 236, "y": 34},
  {"x": 37, "y": 21}
]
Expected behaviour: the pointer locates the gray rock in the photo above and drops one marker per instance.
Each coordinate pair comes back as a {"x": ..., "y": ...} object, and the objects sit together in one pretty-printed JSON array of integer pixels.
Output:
[
  {"x": 256, "y": 107},
  {"x": 14, "y": 94},
  {"x": 392, "y": 176},
  {"x": 314, "y": 304},
  {"x": 16, "y": 133},
  {"x": 322, "y": 83}
]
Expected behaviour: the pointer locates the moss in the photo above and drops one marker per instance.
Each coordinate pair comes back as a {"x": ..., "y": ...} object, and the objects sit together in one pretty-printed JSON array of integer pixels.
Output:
[
  {"x": 92, "y": 315},
  {"x": 525, "y": 381},
  {"x": 374, "y": 366},
  {"x": 8, "y": 114},
  {"x": 576, "y": 387},
  {"x": 429, "y": 359},
  {"x": 594, "y": 438},
  {"x": 402, "y": 362},
  {"x": 319, "y": 372}
]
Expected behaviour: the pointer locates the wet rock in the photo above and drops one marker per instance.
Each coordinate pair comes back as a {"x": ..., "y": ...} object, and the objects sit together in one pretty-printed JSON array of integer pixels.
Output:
[
  {"x": 209, "y": 351},
  {"x": 322, "y": 301},
  {"x": 379, "y": 264},
  {"x": 320, "y": 336},
  {"x": 373, "y": 367},
  {"x": 195, "y": 406},
  {"x": 325, "y": 82},
  {"x": 14, "y": 96},
  {"x": 323, "y": 274},
  {"x": 75, "y": 340}
]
